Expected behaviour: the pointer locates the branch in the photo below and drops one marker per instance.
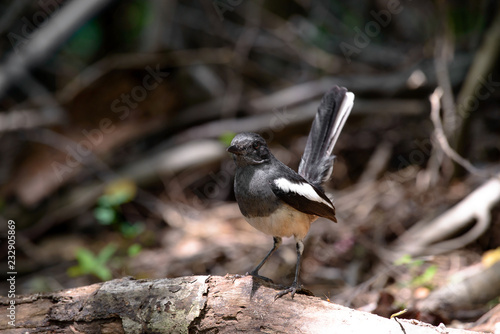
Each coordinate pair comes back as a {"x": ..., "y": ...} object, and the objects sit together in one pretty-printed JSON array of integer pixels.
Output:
[
  {"x": 426, "y": 237},
  {"x": 194, "y": 304},
  {"x": 441, "y": 137}
]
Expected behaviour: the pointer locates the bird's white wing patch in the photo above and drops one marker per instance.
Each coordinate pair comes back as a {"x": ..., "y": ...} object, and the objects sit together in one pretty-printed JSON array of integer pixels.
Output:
[{"x": 303, "y": 189}]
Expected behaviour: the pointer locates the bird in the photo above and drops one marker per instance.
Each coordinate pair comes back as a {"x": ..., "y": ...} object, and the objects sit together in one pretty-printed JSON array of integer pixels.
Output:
[{"x": 279, "y": 201}]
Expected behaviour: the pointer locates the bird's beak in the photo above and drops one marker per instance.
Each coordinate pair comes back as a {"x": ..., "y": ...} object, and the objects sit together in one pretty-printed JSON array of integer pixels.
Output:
[{"x": 235, "y": 150}]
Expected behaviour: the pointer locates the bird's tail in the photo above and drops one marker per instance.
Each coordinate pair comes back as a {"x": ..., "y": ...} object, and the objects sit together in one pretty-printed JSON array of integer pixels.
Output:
[{"x": 317, "y": 161}]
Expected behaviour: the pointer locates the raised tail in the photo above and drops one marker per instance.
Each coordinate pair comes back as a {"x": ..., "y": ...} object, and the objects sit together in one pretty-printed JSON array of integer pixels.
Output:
[{"x": 317, "y": 161}]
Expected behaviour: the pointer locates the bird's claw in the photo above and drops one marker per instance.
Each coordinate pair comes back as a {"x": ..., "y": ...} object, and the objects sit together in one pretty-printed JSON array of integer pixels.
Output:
[{"x": 295, "y": 287}]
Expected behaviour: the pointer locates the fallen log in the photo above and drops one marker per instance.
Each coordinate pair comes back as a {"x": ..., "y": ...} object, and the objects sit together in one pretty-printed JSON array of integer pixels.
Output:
[{"x": 193, "y": 304}]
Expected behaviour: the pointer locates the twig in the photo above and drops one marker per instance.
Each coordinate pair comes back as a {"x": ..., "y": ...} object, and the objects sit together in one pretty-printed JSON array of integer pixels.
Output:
[
  {"x": 441, "y": 137},
  {"x": 25, "y": 119},
  {"x": 443, "y": 52}
]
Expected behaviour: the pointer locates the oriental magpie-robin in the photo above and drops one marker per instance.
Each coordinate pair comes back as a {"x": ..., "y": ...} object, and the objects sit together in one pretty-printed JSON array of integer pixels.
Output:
[{"x": 279, "y": 201}]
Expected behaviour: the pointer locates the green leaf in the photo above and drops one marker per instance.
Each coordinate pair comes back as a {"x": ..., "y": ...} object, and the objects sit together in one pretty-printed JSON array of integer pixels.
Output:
[
  {"x": 104, "y": 215},
  {"x": 121, "y": 197},
  {"x": 86, "y": 260},
  {"x": 129, "y": 230},
  {"x": 409, "y": 261},
  {"x": 103, "y": 273},
  {"x": 134, "y": 249},
  {"x": 104, "y": 200},
  {"x": 405, "y": 259},
  {"x": 106, "y": 253},
  {"x": 88, "y": 263},
  {"x": 426, "y": 277}
]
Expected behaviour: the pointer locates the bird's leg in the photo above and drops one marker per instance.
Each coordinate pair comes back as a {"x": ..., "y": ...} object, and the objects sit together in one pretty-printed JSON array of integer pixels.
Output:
[
  {"x": 295, "y": 285},
  {"x": 255, "y": 272}
]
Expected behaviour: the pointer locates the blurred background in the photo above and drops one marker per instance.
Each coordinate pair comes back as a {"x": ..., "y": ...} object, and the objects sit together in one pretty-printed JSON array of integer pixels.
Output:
[{"x": 115, "y": 116}]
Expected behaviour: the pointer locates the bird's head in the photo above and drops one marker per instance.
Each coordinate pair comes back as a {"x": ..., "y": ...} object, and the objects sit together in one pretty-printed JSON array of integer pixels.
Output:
[{"x": 249, "y": 149}]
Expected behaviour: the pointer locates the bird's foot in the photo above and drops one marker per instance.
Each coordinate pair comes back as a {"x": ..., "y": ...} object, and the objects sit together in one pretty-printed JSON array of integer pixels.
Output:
[
  {"x": 256, "y": 275},
  {"x": 294, "y": 288}
]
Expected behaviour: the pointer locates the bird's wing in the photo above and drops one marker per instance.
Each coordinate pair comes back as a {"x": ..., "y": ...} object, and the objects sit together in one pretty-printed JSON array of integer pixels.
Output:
[{"x": 303, "y": 196}]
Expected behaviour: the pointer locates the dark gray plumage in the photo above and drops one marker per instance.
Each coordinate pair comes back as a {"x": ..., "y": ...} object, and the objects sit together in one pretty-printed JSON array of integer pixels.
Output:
[{"x": 317, "y": 161}]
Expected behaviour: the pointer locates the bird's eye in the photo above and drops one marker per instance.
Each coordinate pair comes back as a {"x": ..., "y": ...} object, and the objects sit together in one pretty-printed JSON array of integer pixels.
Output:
[{"x": 255, "y": 145}]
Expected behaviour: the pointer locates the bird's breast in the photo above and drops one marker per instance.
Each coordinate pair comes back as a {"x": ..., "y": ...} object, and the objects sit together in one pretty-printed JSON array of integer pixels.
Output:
[{"x": 285, "y": 221}]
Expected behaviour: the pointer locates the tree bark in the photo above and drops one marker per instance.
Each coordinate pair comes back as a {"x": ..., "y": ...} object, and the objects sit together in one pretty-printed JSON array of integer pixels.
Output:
[{"x": 194, "y": 304}]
